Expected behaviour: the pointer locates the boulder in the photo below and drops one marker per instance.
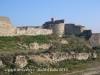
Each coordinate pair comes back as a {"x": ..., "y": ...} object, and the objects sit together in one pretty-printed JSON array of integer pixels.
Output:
[
  {"x": 82, "y": 56},
  {"x": 1, "y": 64},
  {"x": 20, "y": 61},
  {"x": 36, "y": 46},
  {"x": 64, "y": 42}
]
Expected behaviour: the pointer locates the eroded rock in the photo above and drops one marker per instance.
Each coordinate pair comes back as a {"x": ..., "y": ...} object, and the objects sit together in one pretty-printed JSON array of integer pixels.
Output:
[
  {"x": 1, "y": 64},
  {"x": 59, "y": 56},
  {"x": 20, "y": 61},
  {"x": 36, "y": 46},
  {"x": 64, "y": 42},
  {"x": 82, "y": 56}
]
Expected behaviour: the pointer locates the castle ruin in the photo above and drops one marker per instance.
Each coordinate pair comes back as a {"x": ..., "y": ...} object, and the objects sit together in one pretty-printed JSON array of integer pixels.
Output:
[
  {"x": 54, "y": 26},
  {"x": 6, "y": 27},
  {"x": 60, "y": 27}
]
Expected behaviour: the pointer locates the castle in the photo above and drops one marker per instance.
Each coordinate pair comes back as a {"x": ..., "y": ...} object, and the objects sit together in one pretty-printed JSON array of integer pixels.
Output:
[{"x": 54, "y": 26}]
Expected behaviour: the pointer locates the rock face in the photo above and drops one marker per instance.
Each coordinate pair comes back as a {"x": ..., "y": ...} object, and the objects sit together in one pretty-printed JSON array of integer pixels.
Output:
[
  {"x": 36, "y": 46},
  {"x": 64, "y": 42},
  {"x": 94, "y": 55},
  {"x": 59, "y": 56},
  {"x": 95, "y": 40},
  {"x": 1, "y": 64},
  {"x": 20, "y": 61},
  {"x": 82, "y": 56}
]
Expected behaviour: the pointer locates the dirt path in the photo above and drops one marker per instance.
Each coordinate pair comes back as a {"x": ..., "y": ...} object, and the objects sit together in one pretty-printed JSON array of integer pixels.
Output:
[{"x": 89, "y": 71}]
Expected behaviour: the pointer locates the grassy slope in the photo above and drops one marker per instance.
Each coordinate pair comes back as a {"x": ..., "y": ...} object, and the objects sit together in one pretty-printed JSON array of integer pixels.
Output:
[{"x": 10, "y": 45}]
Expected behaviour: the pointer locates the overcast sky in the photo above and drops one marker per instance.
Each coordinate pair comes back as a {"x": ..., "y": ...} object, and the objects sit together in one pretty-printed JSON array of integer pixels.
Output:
[{"x": 36, "y": 12}]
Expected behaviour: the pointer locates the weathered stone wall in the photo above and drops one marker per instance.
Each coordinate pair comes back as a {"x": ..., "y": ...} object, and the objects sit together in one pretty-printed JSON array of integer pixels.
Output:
[
  {"x": 87, "y": 34},
  {"x": 74, "y": 29},
  {"x": 58, "y": 29},
  {"x": 6, "y": 27},
  {"x": 33, "y": 31},
  {"x": 95, "y": 39}
]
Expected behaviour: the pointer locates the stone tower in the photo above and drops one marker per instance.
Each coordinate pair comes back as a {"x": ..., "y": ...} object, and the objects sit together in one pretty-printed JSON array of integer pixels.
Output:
[
  {"x": 6, "y": 27},
  {"x": 58, "y": 27}
]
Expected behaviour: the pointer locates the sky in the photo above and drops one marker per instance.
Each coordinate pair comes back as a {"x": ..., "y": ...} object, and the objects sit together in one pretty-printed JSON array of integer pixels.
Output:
[{"x": 36, "y": 12}]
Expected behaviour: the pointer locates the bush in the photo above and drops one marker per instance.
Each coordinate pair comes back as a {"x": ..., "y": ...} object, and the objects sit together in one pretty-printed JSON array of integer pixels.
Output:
[
  {"x": 96, "y": 48},
  {"x": 77, "y": 44}
]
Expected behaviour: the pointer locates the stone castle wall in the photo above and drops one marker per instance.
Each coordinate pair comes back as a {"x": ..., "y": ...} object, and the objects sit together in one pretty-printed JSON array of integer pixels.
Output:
[
  {"x": 33, "y": 31},
  {"x": 73, "y": 29},
  {"x": 6, "y": 27},
  {"x": 58, "y": 29}
]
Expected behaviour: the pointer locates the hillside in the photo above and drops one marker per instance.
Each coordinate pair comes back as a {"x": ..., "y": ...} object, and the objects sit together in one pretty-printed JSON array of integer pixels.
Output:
[{"x": 69, "y": 52}]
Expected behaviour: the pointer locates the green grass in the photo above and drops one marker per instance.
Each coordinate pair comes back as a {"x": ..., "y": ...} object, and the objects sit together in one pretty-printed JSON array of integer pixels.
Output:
[
  {"x": 26, "y": 39},
  {"x": 72, "y": 65},
  {"x": 10, "y": 46},
  {"x": 17, "y": 42}
]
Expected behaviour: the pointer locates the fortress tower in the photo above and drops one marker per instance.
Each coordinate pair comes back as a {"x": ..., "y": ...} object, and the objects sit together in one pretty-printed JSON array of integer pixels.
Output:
[
  {"x": 57, "y": 26},
  {"x": 53, "y": 19},
  {"x": 6, "y": 27}
]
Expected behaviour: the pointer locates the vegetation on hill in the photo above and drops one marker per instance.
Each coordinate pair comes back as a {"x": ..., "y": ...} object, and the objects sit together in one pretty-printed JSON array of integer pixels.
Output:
[
  {"x": 20, "y": 42},
  {"x": 19, "y": 45}
]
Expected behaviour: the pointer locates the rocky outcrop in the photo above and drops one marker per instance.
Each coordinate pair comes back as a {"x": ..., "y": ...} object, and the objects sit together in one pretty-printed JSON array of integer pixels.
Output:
[
  {"x": 94, "y": 55},
  {"x": 82, "y": 56},
  {"x": 1, "y": 64},
  {"x": 39, "y": 58},
  {"x": 94, "y": 40},
  {"x": 59, "y": 56},
  {"x": 20, "y": 61},
  {"x": 64, "y": 42},
  {"x": 36, "y": 46}
]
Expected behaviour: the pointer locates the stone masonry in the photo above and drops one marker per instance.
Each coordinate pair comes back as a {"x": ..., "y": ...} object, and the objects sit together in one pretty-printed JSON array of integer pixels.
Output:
[
  {"x": 54, "y": 26},
  {"x": 95, "y": 39},
  {"x": 32, "y": 31},
  {"x": 6, "y": 27},
  {"x": 74, "y": 29}
]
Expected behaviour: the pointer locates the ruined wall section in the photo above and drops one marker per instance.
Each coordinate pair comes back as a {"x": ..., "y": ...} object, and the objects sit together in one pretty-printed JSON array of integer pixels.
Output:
[
  {"x": 6, "y": 27},
  {"x": 95, "y": 39},
  {"x": 58, "y": 29},
  {"x": 74, "y": 29},
  {"x": 33, "y": 31},
  {"x": 87, "y": 34}
]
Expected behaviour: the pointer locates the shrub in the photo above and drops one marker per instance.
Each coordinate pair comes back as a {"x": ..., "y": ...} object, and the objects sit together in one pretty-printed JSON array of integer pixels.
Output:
[{"x": 96, "y": 47}]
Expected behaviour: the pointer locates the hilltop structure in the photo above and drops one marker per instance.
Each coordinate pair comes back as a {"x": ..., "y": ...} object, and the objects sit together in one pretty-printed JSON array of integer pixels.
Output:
[
  {"x": 60, "y": 27},
  {"x": 57, "y": 26},
  {"x": 54, "y": 26},
  {"x": 6, "y": 27}
]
